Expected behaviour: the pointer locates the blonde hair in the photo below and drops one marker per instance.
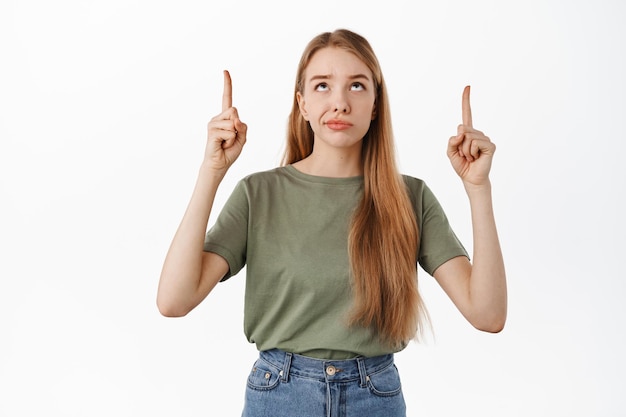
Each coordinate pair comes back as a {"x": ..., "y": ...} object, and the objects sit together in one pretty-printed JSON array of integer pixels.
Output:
[{"x": 383, "y": 239}]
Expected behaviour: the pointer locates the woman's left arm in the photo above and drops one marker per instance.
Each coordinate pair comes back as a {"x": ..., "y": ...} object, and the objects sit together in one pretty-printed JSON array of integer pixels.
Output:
[{"x": 478, "y": 289}]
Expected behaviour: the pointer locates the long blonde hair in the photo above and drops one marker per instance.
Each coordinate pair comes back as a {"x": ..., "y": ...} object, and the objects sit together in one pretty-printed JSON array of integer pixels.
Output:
[{"x": 383, "y": 239}]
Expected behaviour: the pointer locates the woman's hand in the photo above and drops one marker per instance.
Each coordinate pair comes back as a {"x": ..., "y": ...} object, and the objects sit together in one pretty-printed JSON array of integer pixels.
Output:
[
  {"x": 226, "y": 134},
  {"x": 479, "y": 288},
  {"x": 470, "y": 151},
  {"x": 189, "y": 273}
]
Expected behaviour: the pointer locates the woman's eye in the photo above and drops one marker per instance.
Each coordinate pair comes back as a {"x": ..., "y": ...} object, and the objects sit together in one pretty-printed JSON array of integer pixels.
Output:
[
  {"x": 321, "y": 87},
  {"x": 357, "y": 87}
]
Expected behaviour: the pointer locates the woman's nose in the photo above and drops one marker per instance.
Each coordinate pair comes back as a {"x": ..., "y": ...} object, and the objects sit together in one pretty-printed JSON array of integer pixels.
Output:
[{"x": 341, "y": 103}]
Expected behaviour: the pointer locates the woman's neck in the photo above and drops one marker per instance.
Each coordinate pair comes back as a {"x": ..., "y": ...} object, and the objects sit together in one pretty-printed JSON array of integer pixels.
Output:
[{"x": 335, "y": 164}]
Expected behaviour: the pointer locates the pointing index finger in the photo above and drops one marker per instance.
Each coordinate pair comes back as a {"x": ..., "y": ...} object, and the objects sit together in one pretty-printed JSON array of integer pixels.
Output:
[
  {"x": 466, "y": 109},
  {"x": 227, "y": 96}
]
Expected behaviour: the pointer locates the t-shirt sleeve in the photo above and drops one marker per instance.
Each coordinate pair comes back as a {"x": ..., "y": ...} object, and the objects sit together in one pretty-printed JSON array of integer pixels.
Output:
[
  {"x": 229, "y": 235},
  {"x": 438, "y": 242}
]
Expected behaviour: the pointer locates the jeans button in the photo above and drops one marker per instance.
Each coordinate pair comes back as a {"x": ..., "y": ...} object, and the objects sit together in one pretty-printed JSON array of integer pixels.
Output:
[{"x": 330, "y": 370}]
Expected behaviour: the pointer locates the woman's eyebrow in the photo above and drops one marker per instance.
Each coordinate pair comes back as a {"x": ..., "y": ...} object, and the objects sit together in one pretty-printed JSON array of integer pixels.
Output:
[{"x": 327, "y": 77}]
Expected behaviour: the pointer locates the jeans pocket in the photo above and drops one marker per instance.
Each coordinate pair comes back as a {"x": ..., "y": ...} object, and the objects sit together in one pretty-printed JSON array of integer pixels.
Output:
[
  {"x": 263, "y": 376},
  {"x": 386, "y": 382}
]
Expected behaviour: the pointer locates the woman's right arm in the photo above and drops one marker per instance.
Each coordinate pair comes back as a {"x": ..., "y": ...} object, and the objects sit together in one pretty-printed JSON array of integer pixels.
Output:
[{"x": 189, "y": 273}]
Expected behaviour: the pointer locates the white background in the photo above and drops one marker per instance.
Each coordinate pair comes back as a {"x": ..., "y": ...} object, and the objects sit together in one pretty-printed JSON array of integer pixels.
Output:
[{"x": 103, "y": 112}]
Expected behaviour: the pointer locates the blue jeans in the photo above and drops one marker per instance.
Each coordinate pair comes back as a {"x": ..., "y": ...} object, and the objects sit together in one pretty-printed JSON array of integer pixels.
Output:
[{"x": 283, "y": 384}]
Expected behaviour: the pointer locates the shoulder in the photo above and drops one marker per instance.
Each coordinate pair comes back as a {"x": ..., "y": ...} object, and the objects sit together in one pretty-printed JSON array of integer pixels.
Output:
[
  {"x": 270, "y": 176},
  {"x": 412, "y": 181},
  {"x": 264, "y": 184},
  {"x": 422, "y": 197},
  {"x": 416, "y": 186}
]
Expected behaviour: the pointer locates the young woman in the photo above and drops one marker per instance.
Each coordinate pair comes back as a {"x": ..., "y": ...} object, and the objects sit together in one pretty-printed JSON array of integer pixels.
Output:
[{"x": 331, "y": 241}]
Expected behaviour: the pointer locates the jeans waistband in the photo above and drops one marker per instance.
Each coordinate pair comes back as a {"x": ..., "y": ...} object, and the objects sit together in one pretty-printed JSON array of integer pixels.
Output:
[{"x": 324, "y": 369}]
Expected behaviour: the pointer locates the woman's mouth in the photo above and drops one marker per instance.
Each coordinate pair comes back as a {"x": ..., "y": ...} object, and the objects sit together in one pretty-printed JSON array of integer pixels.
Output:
[{"x": 335, "y": 124}]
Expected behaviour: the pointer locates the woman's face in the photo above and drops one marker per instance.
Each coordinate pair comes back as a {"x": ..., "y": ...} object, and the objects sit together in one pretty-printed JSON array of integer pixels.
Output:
[{"x": 338, "y": 98}]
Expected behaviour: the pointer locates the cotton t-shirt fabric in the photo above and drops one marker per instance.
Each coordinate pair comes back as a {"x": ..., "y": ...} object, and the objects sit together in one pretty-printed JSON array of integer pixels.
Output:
[{"x": 290, "y": 231}]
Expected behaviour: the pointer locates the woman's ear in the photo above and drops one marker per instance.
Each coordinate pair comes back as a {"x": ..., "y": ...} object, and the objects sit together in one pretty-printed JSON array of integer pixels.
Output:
[
  {"x": 302, "y": 105},
  {"x": 374, "y": 111}
]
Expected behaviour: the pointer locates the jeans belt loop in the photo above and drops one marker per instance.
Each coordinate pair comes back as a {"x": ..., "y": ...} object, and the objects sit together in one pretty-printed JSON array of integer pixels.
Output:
[
  {"x": 286, "y": 366},
  {"x": 362, "y": 372}
]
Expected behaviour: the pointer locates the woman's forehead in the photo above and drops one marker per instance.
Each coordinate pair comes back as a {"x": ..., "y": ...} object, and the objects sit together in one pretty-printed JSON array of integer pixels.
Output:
[{"x": 336, "y": 62}]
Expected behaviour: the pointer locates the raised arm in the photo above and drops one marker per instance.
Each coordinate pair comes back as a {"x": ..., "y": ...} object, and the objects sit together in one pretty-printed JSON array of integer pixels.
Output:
[
  {"x": 189, "y": 273},
  {"x": 478, "y": 289}
]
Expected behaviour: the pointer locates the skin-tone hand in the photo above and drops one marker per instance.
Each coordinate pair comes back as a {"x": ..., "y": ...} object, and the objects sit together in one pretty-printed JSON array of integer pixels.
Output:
[
  {"x": 478, "y": 289},
  {"x": 226, "y": 134},
  {"x": 470, "y": 151},
  {"x": 189, "y": 273}
]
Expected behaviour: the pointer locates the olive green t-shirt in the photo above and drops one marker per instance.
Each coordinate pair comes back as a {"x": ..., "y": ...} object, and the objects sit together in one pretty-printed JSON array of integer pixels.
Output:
[{"x": 290, "y": 231}]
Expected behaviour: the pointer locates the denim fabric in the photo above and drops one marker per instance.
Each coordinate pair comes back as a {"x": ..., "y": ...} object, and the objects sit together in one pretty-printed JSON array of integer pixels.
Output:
[{"x": 283, "y": 384}]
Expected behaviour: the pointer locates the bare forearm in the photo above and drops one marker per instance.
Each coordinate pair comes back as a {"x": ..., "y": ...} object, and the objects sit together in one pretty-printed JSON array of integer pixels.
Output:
[
  {"x": 189, "y": 274},
  {"x": 487, "y": 287},
  {"x": 182, "y": 268}
]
